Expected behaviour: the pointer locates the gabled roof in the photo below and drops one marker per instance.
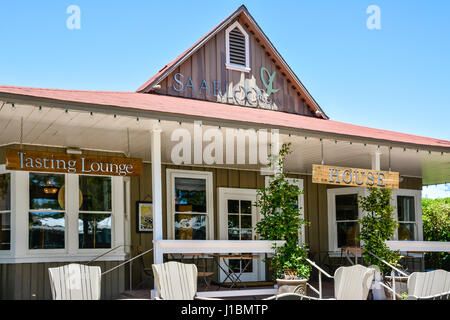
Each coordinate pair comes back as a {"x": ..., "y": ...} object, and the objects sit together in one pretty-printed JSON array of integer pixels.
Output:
[
  {"x": 184, "y": 108},
  {"x": 243, "y": 12}
]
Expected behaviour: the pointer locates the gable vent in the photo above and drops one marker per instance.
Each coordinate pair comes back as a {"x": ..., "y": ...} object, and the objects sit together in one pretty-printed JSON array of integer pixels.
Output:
[{"x": 237, "y": 47}]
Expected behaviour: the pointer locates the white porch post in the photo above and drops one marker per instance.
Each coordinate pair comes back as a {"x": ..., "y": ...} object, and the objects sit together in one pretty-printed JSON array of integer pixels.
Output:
[
  {"x": 376, "y": 160},
  {"x": 156, "y": 193}
]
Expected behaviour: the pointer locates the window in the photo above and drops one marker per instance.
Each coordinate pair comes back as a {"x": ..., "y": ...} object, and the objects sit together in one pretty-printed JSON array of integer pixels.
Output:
[
  {"x": 94, "y": 219},
  {"x": 347, "y": 220},
  {"x": 343, "y": 213},
  {"x": 237, "y": 48},
  {"x": 190, "y": 205},
  {"x": 408, "y": 208},
  {"x": 46, "y": 215},
  {"x": 5, "y": 211},
  {"x": 239, "y": 219},
  {"x": 343, "y": 216}
]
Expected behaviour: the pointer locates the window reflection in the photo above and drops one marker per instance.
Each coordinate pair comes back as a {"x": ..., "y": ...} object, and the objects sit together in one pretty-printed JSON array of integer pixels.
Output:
[
  {"x": 190, "y": 195},
  {"x": 96, "y": 192},
  {"x": 46, "y": 217},
  {"x": 94, "y": 231},
  {"x": 190, "y": 226},
  {"x": 5, "y": 211},
  {"x": 46, "y": 191},
  {"x": 346, "y": 220},
  {"x": 94, "y": 219},
  {"x": 46, "y": 230}
]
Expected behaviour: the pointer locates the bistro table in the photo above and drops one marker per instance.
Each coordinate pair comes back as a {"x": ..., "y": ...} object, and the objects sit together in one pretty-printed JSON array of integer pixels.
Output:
[{"x": 234, "y": 277}]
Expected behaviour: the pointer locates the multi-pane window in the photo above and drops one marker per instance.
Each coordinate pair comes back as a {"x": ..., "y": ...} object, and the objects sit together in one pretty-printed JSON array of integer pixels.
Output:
[
  {"x": 239, "y": 219},
  {"x": 5, "y": 211},
  {"x": 94, "y": 218},
  {"x": 347, "y": 220},
  {"x": 240, "y": 228},
  {"x": 46, "y": 215},
  {"x": 191, "y": 212},
  {"x": 406, "y": 218}
]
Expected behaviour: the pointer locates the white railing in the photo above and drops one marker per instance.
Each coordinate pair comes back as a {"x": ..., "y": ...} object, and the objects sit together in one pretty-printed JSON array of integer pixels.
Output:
[
  {"x": 420, "y": 246},
  {"x": 220, "y": 247}
]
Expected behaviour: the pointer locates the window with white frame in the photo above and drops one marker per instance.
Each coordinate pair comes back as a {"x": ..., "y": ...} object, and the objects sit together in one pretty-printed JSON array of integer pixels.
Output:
[
  {"x": 408, "y": 210},
  {"x": 343, "y": 215},
  {"x": 46, "y": 216},
  {"x": 237, "y": 48},
  {"x": 344, "y": 212},
  {"x": 5, "y": 211},
  {"x": 94, "y": 218},
  {"x": 189, "y": 205},
  {"x": 47, "y": 211}
]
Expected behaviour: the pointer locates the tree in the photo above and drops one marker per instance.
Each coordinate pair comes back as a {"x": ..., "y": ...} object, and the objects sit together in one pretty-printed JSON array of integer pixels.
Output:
[
  {"x": 278, "y": 204},
  {"x": 377, "y": 226}
]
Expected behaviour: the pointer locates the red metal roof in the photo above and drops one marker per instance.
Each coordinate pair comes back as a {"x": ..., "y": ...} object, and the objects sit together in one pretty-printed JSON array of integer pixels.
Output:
[{"x": 183, "y": 107}]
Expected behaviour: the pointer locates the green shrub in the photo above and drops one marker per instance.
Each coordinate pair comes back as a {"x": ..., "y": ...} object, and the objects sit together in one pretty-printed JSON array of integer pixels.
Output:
[
  {"x": 278, "y": 204},
  {"x": 377, "y": 226},
  {"x": 436, "y": 227}
]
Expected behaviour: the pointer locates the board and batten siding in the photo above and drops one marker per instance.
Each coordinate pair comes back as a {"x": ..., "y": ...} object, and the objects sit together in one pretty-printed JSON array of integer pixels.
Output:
[{"x": 30, "y": 281}]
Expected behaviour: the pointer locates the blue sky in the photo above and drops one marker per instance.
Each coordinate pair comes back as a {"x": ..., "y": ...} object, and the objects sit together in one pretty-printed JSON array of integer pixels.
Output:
[{"x": 396, "y": 78}]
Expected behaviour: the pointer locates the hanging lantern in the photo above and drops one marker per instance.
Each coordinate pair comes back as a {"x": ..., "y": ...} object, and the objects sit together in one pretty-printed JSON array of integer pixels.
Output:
[{"x": 50, "y": 188}]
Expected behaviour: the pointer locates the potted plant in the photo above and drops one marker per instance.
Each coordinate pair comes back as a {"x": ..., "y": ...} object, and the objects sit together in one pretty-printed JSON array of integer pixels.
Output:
[{"x": 279, "y": 208}]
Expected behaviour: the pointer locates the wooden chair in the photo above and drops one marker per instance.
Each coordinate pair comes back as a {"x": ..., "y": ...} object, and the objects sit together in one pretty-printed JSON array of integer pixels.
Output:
[
  {"x": 176, "y": 281},
  {"x": 432, "y": 285},
  {"x": 75, "y": 282},
  {"x": 350, "y": 283}
]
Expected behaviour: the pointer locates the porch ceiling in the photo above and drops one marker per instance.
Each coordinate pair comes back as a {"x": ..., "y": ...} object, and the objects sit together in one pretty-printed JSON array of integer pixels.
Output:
[{"x": 59, "y": 127}]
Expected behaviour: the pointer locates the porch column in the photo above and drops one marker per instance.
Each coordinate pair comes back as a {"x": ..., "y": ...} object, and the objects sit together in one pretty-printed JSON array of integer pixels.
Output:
[
  {"x": 156, "y": 192},
  {"x": 376, "y": 160}
]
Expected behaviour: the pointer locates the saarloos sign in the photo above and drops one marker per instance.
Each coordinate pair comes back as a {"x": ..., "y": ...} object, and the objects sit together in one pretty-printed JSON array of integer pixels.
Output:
[{"x": 244, "y": 93}]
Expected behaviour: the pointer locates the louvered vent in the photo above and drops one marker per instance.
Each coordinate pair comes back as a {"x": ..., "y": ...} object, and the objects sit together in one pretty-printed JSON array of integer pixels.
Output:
[{"x": 237, "y": 47}]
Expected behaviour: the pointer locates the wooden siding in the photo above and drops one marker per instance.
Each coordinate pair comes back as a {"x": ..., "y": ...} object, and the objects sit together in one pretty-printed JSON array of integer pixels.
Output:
[
  {"x": 208, "y": 63},
  {"x": 30, "y": 281}
]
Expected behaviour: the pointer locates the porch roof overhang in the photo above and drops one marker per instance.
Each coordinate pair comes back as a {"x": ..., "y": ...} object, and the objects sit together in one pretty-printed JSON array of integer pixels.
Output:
[
  {"x": 91, "y": 123},
  {"x": 168, "y": 107}
]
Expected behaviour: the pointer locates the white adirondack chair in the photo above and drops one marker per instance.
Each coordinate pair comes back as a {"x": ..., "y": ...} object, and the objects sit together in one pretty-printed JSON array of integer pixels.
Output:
[
  {"x": 432, "y": 285},
  {"x": 176, "y": 281},
  {"x": 75, "y": 282},
  {"x": 350, "y": 283}
]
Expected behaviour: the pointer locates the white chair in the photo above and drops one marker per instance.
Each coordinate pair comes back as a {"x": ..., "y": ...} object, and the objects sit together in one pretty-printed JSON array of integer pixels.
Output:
[
  {"x": 432, "y": 285},
  {"x": 75, "y": 282},
  {"x": 350, "y": 283},
  {"x": 176, "y": 281}
]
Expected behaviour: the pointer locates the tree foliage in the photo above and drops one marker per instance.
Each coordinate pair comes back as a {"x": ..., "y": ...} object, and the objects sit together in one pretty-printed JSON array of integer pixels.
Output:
[
  {"x": 377, "y": 226},
  {"x": 279, "y": 207},
  {"x": 436, "y": 227}
]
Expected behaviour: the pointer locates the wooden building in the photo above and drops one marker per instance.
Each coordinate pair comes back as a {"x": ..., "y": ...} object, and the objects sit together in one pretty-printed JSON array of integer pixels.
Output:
[{"x": 175, "y": 166}]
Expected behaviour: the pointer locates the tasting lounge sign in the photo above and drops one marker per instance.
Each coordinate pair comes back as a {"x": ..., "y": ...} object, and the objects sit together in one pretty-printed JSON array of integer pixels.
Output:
[
  {"x": 72, "y": 163},
  {"x": 355, "y": 177}
]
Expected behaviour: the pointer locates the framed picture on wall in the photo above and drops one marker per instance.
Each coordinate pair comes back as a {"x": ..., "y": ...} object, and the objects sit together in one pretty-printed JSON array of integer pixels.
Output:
[{"x": 144, "y": 216}]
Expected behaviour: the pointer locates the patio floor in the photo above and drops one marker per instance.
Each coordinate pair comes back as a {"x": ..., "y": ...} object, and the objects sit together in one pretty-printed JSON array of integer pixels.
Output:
[{"x": 327, "y": 287}]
